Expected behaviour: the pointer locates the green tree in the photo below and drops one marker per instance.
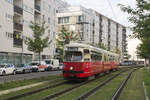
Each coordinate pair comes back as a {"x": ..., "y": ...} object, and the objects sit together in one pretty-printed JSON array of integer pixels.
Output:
[
  {"x": 143, "y": 49},
  {"x": 101, "y": 45},
  {"x": 38, "y": 42},
  {"x": 64, "y": 38},
  {"x": 140, "y": 17},
  {"x": 117, "y": 51}
]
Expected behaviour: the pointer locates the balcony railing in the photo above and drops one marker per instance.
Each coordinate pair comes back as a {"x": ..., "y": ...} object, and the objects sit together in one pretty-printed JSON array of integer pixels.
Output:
[
  {"x": 37, "y": 7},
  {"x": 18, "y": 26},
  {"x": 18, "y": 10},
  {"x": 17, "y": 41}
]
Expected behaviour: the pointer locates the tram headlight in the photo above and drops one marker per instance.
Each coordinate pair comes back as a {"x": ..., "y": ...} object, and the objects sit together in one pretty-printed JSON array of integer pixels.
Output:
[{"x": 71, "y": 68}]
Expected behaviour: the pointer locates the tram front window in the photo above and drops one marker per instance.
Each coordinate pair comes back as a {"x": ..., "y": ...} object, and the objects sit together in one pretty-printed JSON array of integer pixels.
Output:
[{"x": 73, "y": 56}]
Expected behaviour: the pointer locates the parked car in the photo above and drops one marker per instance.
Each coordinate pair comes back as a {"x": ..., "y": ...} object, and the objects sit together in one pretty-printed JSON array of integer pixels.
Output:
[
  {"x": 6, "y": 69},
  {"x": 36, "y": 66},
  {"x": 52, "y": 64},
  {"x": 23, "y": 68}
]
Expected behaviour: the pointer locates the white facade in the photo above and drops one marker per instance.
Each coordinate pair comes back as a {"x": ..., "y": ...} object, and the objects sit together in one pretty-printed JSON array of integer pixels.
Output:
[
  {"x": 93, "y": 27},
  {"x": 61, "y": 5},
  {"x": 15, "y": 18}
]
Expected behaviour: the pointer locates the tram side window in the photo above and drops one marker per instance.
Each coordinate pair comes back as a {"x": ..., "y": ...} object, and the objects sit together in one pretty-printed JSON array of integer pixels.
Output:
[
  {"x": 105, "y": 57},
  {"x": 86, "y": 51},
  {"x": 86, "y": 55},
  {"x": 95, "y": 56},
  {"x": 111, "y": 58}
]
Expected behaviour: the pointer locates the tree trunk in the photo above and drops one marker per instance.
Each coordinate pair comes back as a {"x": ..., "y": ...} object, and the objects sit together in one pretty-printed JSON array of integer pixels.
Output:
[
  {"x": 145, "y": 63},
  {"x": 149, "y": 63},
  {"x": 39, "y": 57}
]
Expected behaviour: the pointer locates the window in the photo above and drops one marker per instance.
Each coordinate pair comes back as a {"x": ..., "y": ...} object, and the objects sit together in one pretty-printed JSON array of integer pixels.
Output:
[
  {"x": 9, "y": 17},
  {"x": 96, "y": 56},
  {"x": 10, "y": 1},
  {"x": 28, "y": 9},
  {"x": 49, "y": 20},
  {"x": 9, "y": 35},
  {"x": 49, "y": 7},
  {"x": 60, "y": 20},
  {"x": 66, "y": 19},
  {"x": 86, "y": 55},
  {"x": 105, "y": 57},
  {"x": 73, "y": 56},
  {"x": 44, "y": 4},
  {"x": 43, "y": 18},
  {"x": 86, "y": 51},
  {"x": 48, "y": 61},
  {"x": 111, "y": 58},
  {"x": 80, "y": 18}
]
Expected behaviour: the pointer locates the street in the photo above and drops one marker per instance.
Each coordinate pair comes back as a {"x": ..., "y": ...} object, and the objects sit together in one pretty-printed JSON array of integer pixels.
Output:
[{"x": 16, "y": 77}]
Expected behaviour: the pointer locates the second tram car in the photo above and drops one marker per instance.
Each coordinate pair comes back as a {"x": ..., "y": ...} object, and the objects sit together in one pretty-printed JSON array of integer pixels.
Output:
[{"x": 82, "y": 61}]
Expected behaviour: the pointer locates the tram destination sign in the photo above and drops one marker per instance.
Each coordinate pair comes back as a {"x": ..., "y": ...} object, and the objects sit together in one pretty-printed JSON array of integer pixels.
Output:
[{"x": 72, "y": 49}]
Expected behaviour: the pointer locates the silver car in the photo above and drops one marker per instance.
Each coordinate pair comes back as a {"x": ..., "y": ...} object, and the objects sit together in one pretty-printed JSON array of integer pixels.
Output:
[{"x": 23, "y": 68}]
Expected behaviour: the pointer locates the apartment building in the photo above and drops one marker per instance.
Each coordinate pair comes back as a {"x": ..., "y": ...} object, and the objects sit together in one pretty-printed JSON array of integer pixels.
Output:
[
  {"x": 15, "y": 18},
  {"x": 61, "y": 5},
  {"x": 92, "y": 27}
]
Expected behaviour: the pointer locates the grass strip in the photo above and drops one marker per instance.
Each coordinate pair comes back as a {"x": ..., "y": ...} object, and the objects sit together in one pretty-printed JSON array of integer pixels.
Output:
[
  {"x": 14, "y": 84},
  {"x": 28, "y": 90},
  {"x": 106, "y": 92},
  {"x": 146, "y": 79},
  {"x": 42, "y": 94}
]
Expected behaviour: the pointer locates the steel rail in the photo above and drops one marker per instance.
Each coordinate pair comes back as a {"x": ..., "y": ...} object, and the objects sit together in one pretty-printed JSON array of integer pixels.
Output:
[
  {"x": 34, "y": 91},
  {"x": 116, "y": 95},
  {"x": 49, "y": 97},
  {"x": 93, "y": 90}
]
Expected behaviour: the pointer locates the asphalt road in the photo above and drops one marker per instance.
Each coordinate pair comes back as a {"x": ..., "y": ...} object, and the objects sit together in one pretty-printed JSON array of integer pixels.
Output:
[{"x": 16, "y": 77}]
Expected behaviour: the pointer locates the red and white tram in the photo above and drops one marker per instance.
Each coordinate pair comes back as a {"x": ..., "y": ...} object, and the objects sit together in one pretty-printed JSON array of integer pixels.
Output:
[{"x": 82, "y": 61}]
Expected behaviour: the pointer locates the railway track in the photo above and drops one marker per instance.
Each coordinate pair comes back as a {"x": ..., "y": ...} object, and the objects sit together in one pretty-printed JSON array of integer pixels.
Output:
[
  {"x": 35, "y": 91},
  {"x": 51, "y": 96},
  {"x": 116, "y": 95}
]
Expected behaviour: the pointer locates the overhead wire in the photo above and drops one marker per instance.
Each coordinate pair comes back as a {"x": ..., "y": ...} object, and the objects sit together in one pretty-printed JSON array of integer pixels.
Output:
[{"x": 113, "y": 12}]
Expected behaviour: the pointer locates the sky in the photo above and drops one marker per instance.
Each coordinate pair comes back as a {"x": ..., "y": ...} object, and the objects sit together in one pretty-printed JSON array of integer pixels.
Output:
[{"x": 103, "y": 7}]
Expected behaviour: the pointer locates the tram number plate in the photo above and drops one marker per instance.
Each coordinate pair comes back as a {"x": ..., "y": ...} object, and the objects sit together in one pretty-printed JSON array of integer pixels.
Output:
[{"x": 72, "y": 76}]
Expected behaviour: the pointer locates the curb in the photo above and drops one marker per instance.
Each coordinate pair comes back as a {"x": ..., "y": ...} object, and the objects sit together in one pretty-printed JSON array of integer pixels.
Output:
[
  {"x": 21, "y": 88},
  {"x": 145, "y": 91}
]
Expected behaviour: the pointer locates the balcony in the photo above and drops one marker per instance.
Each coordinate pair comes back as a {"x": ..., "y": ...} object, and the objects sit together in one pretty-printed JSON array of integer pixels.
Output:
[
  {"x": 37, "y": 7},
  {"x": 17, "y": 41},
  {"x": 18, "y": 10},
  {"x": 18, "y": 27}
]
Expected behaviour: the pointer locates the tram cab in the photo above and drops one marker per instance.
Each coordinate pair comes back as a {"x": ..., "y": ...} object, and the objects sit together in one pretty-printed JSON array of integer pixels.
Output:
[{"x": 82, "y": 61}]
